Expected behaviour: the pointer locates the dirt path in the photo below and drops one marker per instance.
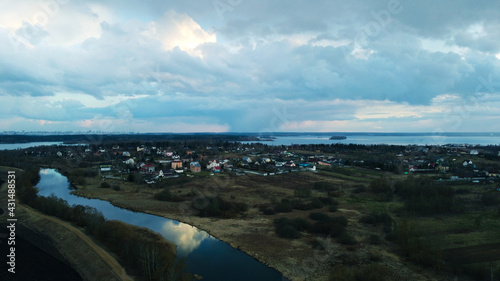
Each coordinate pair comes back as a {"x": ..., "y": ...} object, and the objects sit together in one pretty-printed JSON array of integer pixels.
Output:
[{"x": 115, "y": 266}]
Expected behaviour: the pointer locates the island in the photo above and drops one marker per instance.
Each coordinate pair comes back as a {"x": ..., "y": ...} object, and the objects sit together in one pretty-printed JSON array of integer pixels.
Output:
[{"x": 338, "y": 137}]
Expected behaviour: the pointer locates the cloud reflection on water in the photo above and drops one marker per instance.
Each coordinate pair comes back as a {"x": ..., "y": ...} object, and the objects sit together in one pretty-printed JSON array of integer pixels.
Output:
[{"x": 186, "y": 237}]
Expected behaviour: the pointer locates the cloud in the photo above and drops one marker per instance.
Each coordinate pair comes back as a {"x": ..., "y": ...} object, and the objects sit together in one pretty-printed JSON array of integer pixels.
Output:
[
  {"x": 186, "y": 237},
  {"x": 181, "y": 66},
  {"x": 180, "y": 31}
]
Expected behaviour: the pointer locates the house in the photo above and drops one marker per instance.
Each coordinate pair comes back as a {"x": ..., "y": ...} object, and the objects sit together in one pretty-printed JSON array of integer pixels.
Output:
[
  {"x": 130, "y": 162},
  {"x": 247, "y": 160},
  {"x": 126, "y": 154},
  {"x": 189, "y": 152},
  {"x": 116, "y": 147},
  {"x": 492, "y": 173},
  {"x": 105, "y": 167},
  {"x": 265, "y": 160},
  {"x": 148, "y": 168},
  {"x": 176, "y": 165},
  {"x": 444, "y": 166},
  {"x": 59, "y": 153},
  {"x": 195, "y": 167},
  {"x": 474, "y": 152},
  {"x": 289, "y": 164},
  {"x": 213, "y": 165},
  {"x": 468, "y": 163},
  {"x": 279, "y": 163}
]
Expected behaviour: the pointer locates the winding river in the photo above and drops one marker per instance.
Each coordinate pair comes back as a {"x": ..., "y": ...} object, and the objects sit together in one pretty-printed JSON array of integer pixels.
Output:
[{"x": 204, "y": 255}]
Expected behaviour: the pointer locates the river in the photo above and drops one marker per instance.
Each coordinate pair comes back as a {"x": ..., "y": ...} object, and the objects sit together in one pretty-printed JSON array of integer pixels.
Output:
[{"x": 204, "y": 255}]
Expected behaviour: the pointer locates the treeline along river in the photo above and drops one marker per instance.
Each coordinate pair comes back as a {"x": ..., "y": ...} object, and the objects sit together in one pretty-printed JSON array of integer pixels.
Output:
[{"x": 204, "y": 254}]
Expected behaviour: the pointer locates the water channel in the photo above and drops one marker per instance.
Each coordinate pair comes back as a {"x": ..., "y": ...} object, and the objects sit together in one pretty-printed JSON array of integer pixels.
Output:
[{"x": 204, "y": 255}]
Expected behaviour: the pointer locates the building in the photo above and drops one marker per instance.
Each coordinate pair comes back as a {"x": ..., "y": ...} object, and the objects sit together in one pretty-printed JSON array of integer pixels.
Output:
[
  {"x": 148, "y": 168},
  {"x": 176, "y": 165},
  {"x": 195, "y": 167},
  {"x": 213, "y": 165},
  {"x": 105, "y": 167}
]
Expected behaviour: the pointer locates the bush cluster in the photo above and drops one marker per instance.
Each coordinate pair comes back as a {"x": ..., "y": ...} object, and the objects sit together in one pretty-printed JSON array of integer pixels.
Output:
[
  {"x": 425, "y": 196},
  {"x": 217, "y": 207},
  {"x": 324, "y": 186}
]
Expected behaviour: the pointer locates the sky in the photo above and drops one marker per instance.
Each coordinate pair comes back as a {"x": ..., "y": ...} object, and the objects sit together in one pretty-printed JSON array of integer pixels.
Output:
[{"x": 250, "y": 66}]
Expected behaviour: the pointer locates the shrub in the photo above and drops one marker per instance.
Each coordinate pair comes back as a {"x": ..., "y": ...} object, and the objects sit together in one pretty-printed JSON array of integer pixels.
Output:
[
  {"x": 269, "y": 211},
  {"x": 374, "y": 239},
  {"x": 319, "y": 216},
  {"x": 391, "y": 236},
  {"x": 116, "y": 187},
  {"x": 302, "y": 224},
  {"x": 327, "y": 200},
  {"x": 424, "y": 196},
  {"x": 490, "y": 199},
  {"x": 347, "y": 239},
  {"x": 105, "y": 185},
  {"x": 164, "y": 195},
  {"x": 333, "y": 208},
  {"x": 287, "y": 231},
  {"x": 339, "y": 220},
  {"x": 283, "y": 207},
  {"x": 328, "y": 227},
  {"x": 217, "y": 207},
  {"x": 316, "y": 203},
  {"x": 373, "y": 272},
  {"x": 375, "y": 218},
  {"x": 302, "y": 192},
  {"x": 324, "y": 186},
  {"x": 359, "y": 189},
  {"x": 379, "y": 185},
  {"x": 286, "y": 228},
  {"x": 334, "y": 193}
]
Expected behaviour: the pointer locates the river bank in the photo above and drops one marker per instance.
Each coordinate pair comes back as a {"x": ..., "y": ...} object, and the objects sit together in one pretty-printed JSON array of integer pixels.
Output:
[
  {"x": 57, "y": 251},
  {"x": 253, "y": 235}
]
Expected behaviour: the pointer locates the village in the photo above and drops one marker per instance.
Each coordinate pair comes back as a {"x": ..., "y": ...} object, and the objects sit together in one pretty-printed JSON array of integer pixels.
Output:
[
  {"x": 244, "y": 192},
  {"x": 148, "y": 163}
]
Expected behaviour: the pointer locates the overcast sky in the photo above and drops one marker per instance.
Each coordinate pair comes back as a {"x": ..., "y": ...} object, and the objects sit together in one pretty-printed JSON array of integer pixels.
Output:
[{"x": 250, "y": 66}]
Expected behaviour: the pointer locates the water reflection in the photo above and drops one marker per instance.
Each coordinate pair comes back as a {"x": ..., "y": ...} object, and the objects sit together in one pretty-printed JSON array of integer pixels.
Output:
[
  {"x": 186, "y": 237},
  {"x": 205, "y": 255}
]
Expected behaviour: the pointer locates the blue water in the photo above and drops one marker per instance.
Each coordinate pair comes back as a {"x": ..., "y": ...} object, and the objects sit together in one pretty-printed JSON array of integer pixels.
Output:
[
  {"x": 12, "y": 146},
  {"x": 387, "y": 138},
  {"x": 204, "y": 255}
]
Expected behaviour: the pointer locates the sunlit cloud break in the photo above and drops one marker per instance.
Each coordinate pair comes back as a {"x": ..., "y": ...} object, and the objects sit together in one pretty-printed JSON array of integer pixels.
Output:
[{"x": 150, "y": 66}]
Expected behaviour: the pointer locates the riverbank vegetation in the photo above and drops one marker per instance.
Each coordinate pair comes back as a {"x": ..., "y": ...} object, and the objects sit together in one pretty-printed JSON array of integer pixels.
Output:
[{"x": 144, "y": 253}]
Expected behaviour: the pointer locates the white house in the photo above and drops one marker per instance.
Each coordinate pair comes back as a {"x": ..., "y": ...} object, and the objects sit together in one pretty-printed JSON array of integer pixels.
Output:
[
  {"x": 247, "y": 159},
  {"x": 213, "y": 165},
  {"x": 130, "y": 162},
  {"x": 126, "y": 154},
  {"x": 474, "y": 152}
]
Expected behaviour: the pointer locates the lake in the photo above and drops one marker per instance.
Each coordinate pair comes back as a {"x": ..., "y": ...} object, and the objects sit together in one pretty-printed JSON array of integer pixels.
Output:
[
  {"x": 12, "y": 146},
  {"x": 385, "y": 138},
  {"x": 204, "y": 255}
]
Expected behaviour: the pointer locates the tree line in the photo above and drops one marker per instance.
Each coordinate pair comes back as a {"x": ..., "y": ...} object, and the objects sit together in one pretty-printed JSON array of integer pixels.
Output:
[{"x": 147, "y": 254}]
